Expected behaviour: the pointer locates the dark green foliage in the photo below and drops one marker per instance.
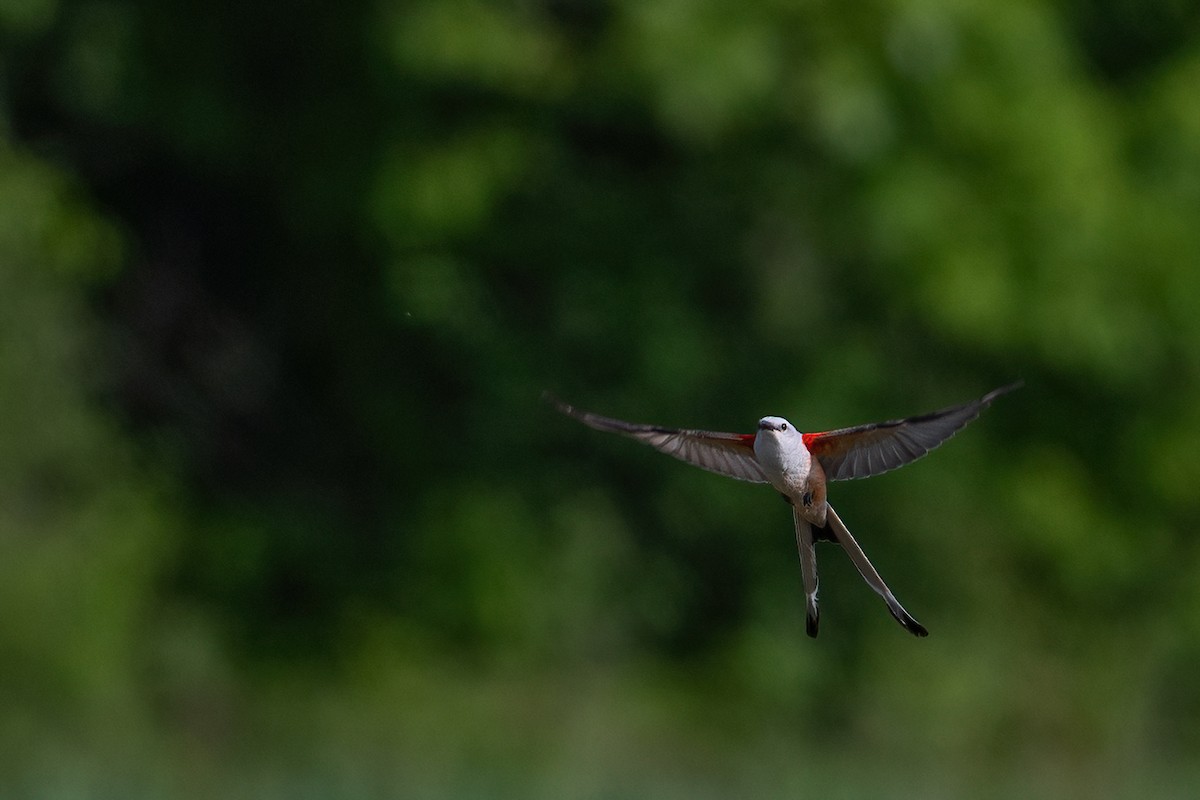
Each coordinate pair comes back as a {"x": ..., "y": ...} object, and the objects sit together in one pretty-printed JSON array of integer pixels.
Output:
[{"x": 280, "y": 289}]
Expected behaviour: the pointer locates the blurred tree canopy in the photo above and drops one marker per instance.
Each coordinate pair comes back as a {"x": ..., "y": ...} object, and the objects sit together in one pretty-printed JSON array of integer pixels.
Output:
[{"x": 280, "y": 290}]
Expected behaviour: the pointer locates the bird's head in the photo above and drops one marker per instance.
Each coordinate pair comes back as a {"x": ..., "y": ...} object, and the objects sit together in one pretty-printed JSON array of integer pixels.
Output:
[
  {"x": 774, "y": 425},
  {"x": 776, "y": 438}
]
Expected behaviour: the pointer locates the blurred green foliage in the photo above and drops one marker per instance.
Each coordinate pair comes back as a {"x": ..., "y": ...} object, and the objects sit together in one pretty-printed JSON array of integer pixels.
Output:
[{"x": 279, "y": 291}]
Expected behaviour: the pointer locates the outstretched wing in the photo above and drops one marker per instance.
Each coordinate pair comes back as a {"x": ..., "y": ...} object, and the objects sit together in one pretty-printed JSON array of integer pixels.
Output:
[
  {"x": 730, "y": 454},
  {"x": 866, "y": 450}
]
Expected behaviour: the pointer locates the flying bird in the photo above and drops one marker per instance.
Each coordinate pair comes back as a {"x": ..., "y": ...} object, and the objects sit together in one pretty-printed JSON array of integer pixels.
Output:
[{"x": 798, "y": 466}]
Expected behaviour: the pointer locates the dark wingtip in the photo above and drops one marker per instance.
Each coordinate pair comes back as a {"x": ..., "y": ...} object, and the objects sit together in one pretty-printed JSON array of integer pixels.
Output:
[
  {"x": 811, "y": 624},
  {"x": 551, "y": 399},
  {"x": 1003, "y": 390}
]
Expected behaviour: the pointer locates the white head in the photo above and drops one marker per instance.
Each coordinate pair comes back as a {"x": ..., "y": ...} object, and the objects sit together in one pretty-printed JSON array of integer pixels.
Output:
[
  {"x": 776, "y": 434},
  {"x": 774, "y": 425},
  {"x": 780, "y": 448}
]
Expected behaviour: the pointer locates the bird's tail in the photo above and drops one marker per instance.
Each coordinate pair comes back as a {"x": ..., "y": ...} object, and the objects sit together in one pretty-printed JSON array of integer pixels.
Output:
[
  {"x": 842, "y": 535},
  {"x": 808, "y": 570}
]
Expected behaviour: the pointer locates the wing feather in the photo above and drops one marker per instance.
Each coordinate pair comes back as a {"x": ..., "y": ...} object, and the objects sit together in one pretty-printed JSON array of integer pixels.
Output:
[
  {"x": 871, "y": 449},
  {"x": 729, "y": 454}
]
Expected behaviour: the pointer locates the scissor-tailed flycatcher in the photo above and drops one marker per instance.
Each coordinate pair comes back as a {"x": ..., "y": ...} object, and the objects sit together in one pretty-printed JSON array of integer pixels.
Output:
[{"x": 797, "y": 465}]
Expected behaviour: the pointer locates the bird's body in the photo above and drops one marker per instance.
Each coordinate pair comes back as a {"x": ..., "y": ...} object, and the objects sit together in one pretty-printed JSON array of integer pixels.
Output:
[
  {"x": 790, "y": 468},
  {"x": 799, "y": 465}
]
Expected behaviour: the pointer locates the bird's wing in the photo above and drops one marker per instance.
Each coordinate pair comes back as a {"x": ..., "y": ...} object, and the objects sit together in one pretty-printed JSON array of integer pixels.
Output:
[
  {"x": 730, "y": 454},
  {"x": 866, "y": 450}
]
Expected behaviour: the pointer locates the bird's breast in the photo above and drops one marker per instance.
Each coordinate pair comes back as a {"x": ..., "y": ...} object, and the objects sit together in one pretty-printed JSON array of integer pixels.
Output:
[{"x": 787, "y": 467}]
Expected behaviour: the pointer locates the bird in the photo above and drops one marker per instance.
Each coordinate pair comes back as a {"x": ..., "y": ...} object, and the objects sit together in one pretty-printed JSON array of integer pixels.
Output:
[{"x": 799, "y": 466}]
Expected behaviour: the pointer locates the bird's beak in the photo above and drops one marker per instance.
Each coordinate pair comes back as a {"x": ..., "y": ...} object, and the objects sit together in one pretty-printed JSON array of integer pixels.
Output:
[{"x": 763, "y": 425}]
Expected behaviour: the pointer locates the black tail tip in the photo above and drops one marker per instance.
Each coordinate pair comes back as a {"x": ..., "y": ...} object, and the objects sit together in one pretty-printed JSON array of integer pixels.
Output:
[
  {"x": 811, "y": 624},
  {"x": 909, "y": 624}
]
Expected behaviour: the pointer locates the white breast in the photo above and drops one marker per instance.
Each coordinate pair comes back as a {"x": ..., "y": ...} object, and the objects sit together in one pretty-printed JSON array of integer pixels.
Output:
[{"x": 783, "y": 458}]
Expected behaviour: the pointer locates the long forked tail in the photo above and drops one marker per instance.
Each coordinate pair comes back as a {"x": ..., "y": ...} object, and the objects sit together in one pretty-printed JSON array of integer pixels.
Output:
[
  {"x": 848, "y": 543},
  {"x": 808, "y": 570}
]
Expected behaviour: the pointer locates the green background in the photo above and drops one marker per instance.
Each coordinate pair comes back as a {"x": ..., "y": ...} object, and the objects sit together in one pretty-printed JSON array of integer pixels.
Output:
[{"x": 282, "y": 515}]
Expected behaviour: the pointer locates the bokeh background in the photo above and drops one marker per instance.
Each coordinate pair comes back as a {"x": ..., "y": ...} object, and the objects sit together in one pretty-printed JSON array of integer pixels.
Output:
[{"x": 282, "y": 515}]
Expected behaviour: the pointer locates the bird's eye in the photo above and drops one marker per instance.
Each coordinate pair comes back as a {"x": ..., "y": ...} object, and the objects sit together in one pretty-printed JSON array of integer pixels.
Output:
[{"x": 783, "y": 427}]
